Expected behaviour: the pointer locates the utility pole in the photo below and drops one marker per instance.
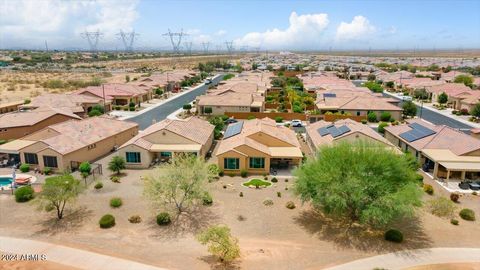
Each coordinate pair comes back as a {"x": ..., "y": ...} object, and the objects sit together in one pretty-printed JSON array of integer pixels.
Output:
[
  {"x": 46, "y": 46},
  {"x": 176, "y": 39},
  {"x": 188, "y": 47},
  {"x": 128, "y": 39},
  {"x": 92, "y": 38}
]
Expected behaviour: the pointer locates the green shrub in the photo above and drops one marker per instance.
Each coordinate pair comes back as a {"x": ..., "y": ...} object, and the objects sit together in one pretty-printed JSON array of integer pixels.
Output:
[
  {"x": 24, "y": 194},
  {"x": 290, "y": 205},
  {"x": 279, "y": 119},
  {"x": 454, "y": 197},
  {"x": 467, "y": 214},
  {"x": 116, "y": 202},
  {"x": 274, "y": 180},
  {"x": 428, "y": 189},
  {"x": 24, "y": 168},
  {"x": 163, "y": 219},
  {"x": 268, "y": 202},
  {"x": 454, "y": 221},
  {"x": 47, "y": 170},
  {"x": 135, "y": 219},
  {"x": 419, "y": 177},
  {"x": 279, "y": 194},
  {"x": 442, "y": 207},
  {"x": 241, "y": 194},
  {"x": 393, "y": 235},
  {"x": 98, "y": 185},
  {"x": 385, "y": 116},
  {"x": 115, "y": 179},
  {"x": 381, "y": 127},
  {"x": 107, "y": 221},
  {"x": 372, "y": 117},
  {"x": 243, "y": 173},
  {"x": 221, "y": 173},
  {"x": 251, "y": 117},
  {"x": 207, "y": 199},
  {"x": 3, "y": 142},
  {"x": 132, "y": 109},
  {"x": 364, "y": 121}
]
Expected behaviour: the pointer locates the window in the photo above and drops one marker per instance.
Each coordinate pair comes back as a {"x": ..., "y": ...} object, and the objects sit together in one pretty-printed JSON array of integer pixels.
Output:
[
  {"x": 165, "y": 154},
  {"x": 31, "y": 158},
  {"x": 231, "y": 163},
  {"x": 133, "y": 157},
  {"x": 50, "y": 161},
  {"x": 358, "y": 113},
  {"x": 257, "y": 162}
]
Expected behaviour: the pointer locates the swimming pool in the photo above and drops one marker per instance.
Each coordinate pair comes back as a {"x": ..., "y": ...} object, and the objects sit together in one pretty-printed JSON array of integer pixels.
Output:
[{"x": 5, "y": 181}]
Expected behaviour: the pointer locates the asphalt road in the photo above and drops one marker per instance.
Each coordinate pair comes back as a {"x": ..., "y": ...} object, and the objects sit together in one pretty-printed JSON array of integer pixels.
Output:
[
  {"x": 161, "y": 112},
  {"x": 437, "y": 118}
]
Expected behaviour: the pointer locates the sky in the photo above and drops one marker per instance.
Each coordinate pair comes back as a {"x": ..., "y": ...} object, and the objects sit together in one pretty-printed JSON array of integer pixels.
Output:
[{"x": 263, "y": 24}]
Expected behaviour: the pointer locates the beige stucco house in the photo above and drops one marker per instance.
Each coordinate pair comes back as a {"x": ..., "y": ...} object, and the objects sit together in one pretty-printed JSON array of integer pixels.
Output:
[
  {"x": 163, "y": 140},
  {"x": 256, "y": 146}
]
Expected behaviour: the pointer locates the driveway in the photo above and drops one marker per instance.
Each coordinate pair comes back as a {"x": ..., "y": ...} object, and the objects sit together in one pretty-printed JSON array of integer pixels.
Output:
[{"x": 162, "y": 111}]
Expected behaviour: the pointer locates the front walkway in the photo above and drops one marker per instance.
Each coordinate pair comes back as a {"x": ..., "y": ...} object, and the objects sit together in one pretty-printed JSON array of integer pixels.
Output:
[
  {"x": 78, "y": 258},
  {"x": 411, "y": 258}
]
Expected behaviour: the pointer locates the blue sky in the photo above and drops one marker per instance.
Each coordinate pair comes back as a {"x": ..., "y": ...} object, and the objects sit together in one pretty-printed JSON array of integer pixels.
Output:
[{"x": 266, "y": 24}]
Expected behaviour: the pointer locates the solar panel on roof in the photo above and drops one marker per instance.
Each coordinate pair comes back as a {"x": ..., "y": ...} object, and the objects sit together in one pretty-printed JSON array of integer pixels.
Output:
[
  {"x": 422, "y": 129},
  {"x": 418, "y": 132},
  {"x": 323, "y": 131},
  {"x": 334, "y": 132},
  {"x": 343, "y": 129},
  {"x": 329, "y": 95},
  {"x": 407, "y": 137},
  {"x": 233, "y": 129}
]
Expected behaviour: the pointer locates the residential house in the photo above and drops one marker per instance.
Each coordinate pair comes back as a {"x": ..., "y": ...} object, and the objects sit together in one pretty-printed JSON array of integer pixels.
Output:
[
  {"x": 455, "y": 92},
  {"x": 166, "y": 139},
  {"x": 118, "y": 94},
  {"x": 257, "y": 146},
  {"x": 10, "y": 106},
  {"x": 443, "y": 151},
  {"x": 64, "y": 146}
]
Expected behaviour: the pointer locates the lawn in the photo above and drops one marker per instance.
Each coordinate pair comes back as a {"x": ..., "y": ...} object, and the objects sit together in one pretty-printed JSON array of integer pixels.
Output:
[{"x": 255, "y": 182}]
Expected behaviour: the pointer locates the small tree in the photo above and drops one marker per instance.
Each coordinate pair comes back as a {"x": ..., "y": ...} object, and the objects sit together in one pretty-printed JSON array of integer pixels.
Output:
[
  {"x": 187, "y": 107},
  {"x": 385, "y": 116},
  {"x": 178, "y": 184},
  {"x": 58, "y": 191},
  {"x": 116, "y": 164},
  {"x": 372, "y": 117},
  {"x": 409, "y": 108},
  {"x": 220, "y": 242},
  {"x": 85, "y": 169},
  {"x": 381, "y": 127},
  {"x": 475, "y": 110},
  {"x": 465, "y": 79},
  {"x": 390, "y": 84},
  {"x": 442, "y": 98}
]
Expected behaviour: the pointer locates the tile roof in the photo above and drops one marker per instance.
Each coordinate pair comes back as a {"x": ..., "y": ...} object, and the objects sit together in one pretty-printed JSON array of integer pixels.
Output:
[
  {"x": 71, "y": 102},
  {"x": 113, "y": 90},
  {"x": 30, "y": 118}
]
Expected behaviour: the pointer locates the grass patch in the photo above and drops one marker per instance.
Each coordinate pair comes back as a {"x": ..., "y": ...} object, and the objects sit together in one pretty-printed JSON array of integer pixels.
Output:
[{"x": 255, "y": 182}]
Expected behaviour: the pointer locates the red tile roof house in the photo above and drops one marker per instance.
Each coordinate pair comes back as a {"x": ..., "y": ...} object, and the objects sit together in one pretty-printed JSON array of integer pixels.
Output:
[
  {"x": 118, "y": 94},
  {"x": 169, "y": 80},
  {"x": 413, "y": 84},
  {"x": 455, "y": 91},
  {"x": 445, "y": 152}
]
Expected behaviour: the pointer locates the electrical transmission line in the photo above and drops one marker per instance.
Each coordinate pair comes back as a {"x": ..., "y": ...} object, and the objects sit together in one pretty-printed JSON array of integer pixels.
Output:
[
  {"x": 176, "y": 39},
  {"x": 205, "y": 46},
  {"x": 188, "y": 47},
  {"x": 128, "y": 39},
  {"x": 92, "y": 38},
  {"x": 229, "y": 45}
]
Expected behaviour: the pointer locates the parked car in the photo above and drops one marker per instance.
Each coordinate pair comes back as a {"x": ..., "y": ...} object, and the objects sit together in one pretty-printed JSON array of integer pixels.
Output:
[
  {"x": 474, "y": 186},
  {"x": 406, "y": 98},
  {"x": 296, "y": 123}
]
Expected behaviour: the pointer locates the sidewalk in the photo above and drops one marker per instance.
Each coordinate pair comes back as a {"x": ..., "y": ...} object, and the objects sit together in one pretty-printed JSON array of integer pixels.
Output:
[
  {"x": 69, "y": 256},
  {"x": 447, "y": 112},
  {"x": 411, "y": 258}
]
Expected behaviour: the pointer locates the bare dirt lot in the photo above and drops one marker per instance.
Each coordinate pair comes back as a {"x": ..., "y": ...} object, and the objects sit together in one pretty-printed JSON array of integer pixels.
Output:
[{"x": 270, "y": 237}]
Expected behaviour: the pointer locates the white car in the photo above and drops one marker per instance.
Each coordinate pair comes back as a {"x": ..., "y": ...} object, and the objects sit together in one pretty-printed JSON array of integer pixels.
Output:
[
  {"x": 296, "y": 123},
  {"x": 406, "y": 98}
]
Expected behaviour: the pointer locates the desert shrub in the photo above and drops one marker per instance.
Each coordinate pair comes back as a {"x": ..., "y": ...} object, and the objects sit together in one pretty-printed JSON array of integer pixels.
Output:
[
  {"x": 107, "y": 221},
  {"x": 428, "y": 189},
  {"x": 115, "y": 179},
  {"x": 135, "y": 219},
  {"x": 290, "y": 205},
  {"x": 372, "y": 117},
  {"x": 279, "y": 194},
  {"x": 163, "y": 219},
  {"x": 213, "y": 169},
  {"x": 274, "y": 180},
  {"x": 207, "y": 199},
  {"x": 268, "y": 202},
  {"x": 286, "y": 180},
  {"x": 241, "y": 194},
  {"x": 116, "y": 202},
  {"x": 98, "y": 185},
  {"x": 132, "y": 109},
  {"x": 419, "y": 177},
  {"x": 24, "y": 194},
  {"x": 442, "y": 207},
  {"x": 467, "y": 214},
  {"x": 279, "y": 119},
  {"x": 381, "y": 127},
  {"x": 385, "y": 116},
  {"x": 393, "y": 235},
  {"x": 454, "y": 221},
  {"x": 24, "y": 168},
  {"x": 243, "y": 173},
  {"x": 224, "y": 186},
  {"x": 221, "y": 173},
  {"x": 47, "y": 170},
  {"x": 454, "y": 197},
  {"x": 251, "y": 117}
]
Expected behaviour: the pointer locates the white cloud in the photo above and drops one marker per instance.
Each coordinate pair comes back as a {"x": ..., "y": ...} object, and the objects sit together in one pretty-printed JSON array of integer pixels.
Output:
[
  {"x": 220, "y": 32},
  {"x": 357, "y": 29},
  {"x": 29, "y": 21},
  {"x": 304, "y": 30}
]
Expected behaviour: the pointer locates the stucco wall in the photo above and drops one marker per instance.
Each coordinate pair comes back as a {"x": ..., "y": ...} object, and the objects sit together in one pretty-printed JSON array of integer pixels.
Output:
[{"x": 18, "y": 132}]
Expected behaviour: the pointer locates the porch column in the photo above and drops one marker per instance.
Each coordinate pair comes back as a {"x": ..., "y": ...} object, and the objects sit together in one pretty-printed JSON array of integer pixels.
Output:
[
  {"x": 463, "y": 175},
  {"x": 435, "y": 170},
  {"x": 448, "y": 177}
]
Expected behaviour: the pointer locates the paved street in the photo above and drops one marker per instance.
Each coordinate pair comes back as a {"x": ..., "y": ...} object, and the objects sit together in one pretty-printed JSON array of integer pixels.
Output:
[
  {"x": 437, "y": 118},
  {"x": 162, "y": 111}
]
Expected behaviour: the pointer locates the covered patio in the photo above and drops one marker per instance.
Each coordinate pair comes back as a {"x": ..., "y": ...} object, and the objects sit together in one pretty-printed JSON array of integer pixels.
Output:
[{"x": 10, "y": 152}]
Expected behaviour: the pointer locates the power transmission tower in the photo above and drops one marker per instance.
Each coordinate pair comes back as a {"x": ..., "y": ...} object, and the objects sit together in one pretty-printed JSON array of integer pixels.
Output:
[
  {"x": 46, "y": 46},
  {"x": 128, "y": 38},
  {"x": 188, "y": 47},
  {"x": 229, "y": 45},
  {"x": 92, "y": 38},
  {"x": 176, "y": 39},
  {"x": 205, "y": 46}
]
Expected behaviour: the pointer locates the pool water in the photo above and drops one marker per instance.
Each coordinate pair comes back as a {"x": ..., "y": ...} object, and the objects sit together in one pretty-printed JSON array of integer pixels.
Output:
[{"x": 5, "y": 181}]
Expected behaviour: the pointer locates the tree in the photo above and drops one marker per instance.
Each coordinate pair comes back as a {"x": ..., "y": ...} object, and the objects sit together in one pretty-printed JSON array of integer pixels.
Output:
[
  {"x": 96, "y": 110},
  {"x": 85, "y": 169},
  {"x": 371, "y": 77},
  {"x": 373, "y": 86},
  {"x": 359, "y": 182},
  {"x": 421, "y": 93},
  {"x": 187, "y": 107},
  {"x": 475, "y": 111},
  {"x": 372, "y": 117},
  {"x": 58, "y": 191},
  {"x": 409, "y": 108},
  {"x": 390, "y": 84},
  {"x": 465, "y": 79},
  {"x": 381, "y": 127},
  {"x": 178, "y": 184},
  {"x": 442, "y": 98},
  {"x": 116, "y": 164},
  {"x": 220, "y": 242}
]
